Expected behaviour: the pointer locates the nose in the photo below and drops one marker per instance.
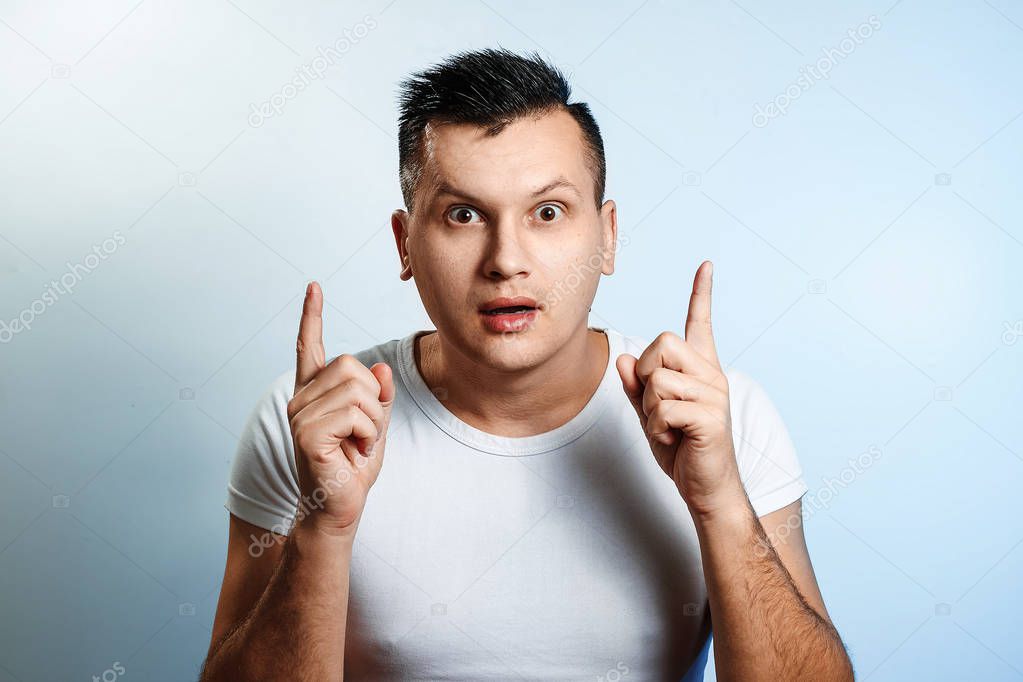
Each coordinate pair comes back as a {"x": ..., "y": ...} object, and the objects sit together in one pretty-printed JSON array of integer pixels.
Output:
[{"x": 506, "y": 256}]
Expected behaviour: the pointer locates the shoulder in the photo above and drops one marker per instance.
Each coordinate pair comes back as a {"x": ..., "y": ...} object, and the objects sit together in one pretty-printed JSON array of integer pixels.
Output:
[
  {"x": 746, "y": 394},
  {"x": 764, "y": 452}
]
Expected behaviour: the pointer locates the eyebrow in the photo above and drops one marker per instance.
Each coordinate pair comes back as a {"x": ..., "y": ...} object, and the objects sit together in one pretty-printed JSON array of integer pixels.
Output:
[{"x": 559, "y": 182}]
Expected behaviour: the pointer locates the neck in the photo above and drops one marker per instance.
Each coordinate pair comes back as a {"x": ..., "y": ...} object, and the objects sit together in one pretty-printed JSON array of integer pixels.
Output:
[{"x": 525, "y": 403}]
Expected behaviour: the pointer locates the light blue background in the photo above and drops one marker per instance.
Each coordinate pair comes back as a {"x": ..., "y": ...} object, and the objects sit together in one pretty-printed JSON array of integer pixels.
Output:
[{"x": 878, "y": 303}]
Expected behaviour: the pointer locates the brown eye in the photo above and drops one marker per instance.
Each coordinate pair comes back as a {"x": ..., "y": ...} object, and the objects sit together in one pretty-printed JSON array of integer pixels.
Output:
[
  {"x": 462, "y": 215},
  {"x": 548, "y": 212}
]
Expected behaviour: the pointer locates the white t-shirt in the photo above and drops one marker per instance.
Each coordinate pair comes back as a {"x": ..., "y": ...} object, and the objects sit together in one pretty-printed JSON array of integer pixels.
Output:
[{"x": 563, "y": 555}]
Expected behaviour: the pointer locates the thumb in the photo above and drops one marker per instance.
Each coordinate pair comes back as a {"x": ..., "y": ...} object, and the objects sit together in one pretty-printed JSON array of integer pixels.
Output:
[
  {"x": 633, "y": 387},
  {"x": 385, "y": 375}
]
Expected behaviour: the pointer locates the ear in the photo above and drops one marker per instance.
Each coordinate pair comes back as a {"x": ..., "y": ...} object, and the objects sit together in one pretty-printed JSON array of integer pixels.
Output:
[
  {"x": 609, "y": 234},
  {"x": 399, "y": 226}
]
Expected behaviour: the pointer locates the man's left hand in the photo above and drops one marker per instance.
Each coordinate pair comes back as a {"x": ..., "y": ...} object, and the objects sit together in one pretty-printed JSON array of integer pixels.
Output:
[{"x": 680, "y": 394}]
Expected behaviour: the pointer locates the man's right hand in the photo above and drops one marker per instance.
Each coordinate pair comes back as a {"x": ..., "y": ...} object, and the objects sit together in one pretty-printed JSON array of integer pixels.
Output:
[{"x": 339, "y": 417}]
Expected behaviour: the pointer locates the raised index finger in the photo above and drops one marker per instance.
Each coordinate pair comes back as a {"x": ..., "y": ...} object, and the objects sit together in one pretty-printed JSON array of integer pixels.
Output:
[
  {"x": 699, "y": 332},
  {"x": 309, "y": 347}
]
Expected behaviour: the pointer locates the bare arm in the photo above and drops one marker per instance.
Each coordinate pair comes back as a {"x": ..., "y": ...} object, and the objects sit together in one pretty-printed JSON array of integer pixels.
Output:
[
  {"x": 764, "y": 626},
  {"x": 296, "y": 629}
]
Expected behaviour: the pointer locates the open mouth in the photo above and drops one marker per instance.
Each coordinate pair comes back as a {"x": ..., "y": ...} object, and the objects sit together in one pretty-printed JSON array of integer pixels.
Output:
[
  {"x": 509, "y": 310},
  {"x": 504, "y": 315}
]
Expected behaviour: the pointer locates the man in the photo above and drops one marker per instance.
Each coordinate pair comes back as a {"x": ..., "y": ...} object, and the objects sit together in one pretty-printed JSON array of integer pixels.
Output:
[{"x": 537, "y": 517}]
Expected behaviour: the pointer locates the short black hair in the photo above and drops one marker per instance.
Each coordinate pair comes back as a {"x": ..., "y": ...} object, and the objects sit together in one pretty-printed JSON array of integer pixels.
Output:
[{"x": 490, "y": 88}]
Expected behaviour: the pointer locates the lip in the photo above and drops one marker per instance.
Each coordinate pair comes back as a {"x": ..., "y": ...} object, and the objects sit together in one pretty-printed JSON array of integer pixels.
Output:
[
  {"x": 505, "y": 302},
  {"x": 504, "y": 323}
]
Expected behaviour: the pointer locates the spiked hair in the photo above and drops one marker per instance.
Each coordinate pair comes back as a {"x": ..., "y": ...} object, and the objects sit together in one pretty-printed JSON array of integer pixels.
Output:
[{"x": 488, "y": 88}]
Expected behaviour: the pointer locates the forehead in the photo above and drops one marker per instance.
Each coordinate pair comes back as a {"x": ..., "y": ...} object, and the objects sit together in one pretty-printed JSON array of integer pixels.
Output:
[{"x": 528, "y": 153}]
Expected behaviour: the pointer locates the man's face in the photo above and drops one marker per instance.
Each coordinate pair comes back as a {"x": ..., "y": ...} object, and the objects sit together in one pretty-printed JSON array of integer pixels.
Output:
[{"x": 507, "y": 216}]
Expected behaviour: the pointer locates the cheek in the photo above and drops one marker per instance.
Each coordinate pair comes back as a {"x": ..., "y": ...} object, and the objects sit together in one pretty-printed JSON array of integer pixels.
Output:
[
  {"x": 435, "y": 259},
  {"x": 574, "y": 277},
  {"x": 442, "y": 272},
  {"x": 581, "y": 276},
  {"x": 586, "y": 261}
]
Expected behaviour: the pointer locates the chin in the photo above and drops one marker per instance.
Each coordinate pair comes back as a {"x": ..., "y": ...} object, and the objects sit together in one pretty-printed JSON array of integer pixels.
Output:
[{"x": 514, "y": 352}]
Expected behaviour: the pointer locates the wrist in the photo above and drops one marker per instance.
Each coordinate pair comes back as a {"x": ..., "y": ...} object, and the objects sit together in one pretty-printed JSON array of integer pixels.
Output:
[
  {"x": 312, "y": 531},
  {"x": 727, "y": 508},
  {"x": 731, "y": 521}
]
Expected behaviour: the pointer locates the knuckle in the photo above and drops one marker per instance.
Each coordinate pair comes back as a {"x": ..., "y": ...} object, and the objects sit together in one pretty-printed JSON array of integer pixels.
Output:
[
  {"x": 302, "y": 439},
  {"x": 655, "y": 426},
  {"x": 666, "y": 337},
  {"x": 321, "y": 458},
  {"x": 349, "y": 363},
  {"x": 649, "y": 402}
]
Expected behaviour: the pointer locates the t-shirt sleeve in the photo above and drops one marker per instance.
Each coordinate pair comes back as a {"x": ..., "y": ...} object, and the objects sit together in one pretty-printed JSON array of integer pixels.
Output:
[
  {"x": 768, "y": 465},
  {"x": 263, "y": 484}
]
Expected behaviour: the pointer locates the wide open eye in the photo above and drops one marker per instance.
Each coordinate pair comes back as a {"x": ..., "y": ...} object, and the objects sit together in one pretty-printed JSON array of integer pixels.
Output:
[
  {"x": 463, "y": 215},
  {"x": 548, "y": 213}
]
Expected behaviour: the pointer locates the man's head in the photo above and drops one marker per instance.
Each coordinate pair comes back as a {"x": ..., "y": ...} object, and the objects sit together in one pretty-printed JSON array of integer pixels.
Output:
[{"x": 503, "y": 182}]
